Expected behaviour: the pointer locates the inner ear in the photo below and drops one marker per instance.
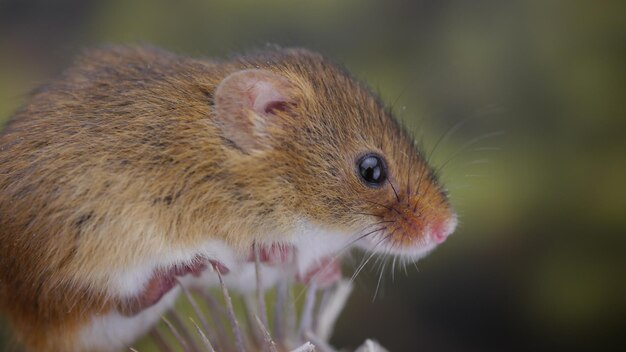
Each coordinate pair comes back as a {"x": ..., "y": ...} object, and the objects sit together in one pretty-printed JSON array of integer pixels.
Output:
[
  {"x": 275, "y": 106},
  {"x": 247, "y": 101}
]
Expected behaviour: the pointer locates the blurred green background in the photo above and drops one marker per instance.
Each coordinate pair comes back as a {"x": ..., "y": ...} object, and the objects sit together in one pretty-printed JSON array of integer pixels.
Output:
[{"x": 539, "y": 261}]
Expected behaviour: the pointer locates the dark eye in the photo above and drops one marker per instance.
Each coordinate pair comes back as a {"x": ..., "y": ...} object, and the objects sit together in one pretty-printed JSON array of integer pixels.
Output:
[{"x": 372, "y": 170}]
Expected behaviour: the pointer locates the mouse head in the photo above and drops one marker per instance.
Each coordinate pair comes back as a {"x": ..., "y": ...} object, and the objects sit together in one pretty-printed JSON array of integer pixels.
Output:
[{"x": 321, "y": 143}]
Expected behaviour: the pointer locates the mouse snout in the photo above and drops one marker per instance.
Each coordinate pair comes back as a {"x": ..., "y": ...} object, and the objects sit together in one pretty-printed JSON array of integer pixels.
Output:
[
  {"x": 423, "y": 226},
  {"x": 440, "y": 229},
  {"x": 416, "y": 224}
]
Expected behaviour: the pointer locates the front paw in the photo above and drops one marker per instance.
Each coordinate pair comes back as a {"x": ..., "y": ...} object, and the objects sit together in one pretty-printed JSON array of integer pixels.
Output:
[
  {"x": 163, "y": 280},
  {"x": 323, "y": 273},
  {"x": 273, "y": 254}
]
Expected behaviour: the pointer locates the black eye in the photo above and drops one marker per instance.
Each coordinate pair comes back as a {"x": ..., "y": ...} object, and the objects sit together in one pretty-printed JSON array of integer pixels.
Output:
[{"x": 372, "y": 170}]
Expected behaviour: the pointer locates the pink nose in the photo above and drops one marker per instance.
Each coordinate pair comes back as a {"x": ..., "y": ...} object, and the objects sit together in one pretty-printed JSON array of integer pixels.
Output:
[{"x": 440, "y": 230}]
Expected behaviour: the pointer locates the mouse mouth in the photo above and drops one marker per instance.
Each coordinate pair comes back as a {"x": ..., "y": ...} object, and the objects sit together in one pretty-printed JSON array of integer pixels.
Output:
[{"x": 163, "y": 280}]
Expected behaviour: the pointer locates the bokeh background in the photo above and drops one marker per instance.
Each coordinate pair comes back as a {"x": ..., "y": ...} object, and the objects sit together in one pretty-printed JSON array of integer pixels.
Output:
[{"x": 537, "y": 164}]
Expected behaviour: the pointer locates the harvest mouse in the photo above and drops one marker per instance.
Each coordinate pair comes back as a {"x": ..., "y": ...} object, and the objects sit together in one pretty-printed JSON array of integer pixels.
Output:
[{"x": 137, "y": 166}]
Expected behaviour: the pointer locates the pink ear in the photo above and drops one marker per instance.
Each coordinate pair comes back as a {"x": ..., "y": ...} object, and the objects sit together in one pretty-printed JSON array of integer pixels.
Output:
[{"x": 246, "y": 101}]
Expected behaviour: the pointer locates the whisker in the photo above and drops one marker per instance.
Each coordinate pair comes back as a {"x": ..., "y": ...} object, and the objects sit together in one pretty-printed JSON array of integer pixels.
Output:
[
  {"x": 477, "y": 162},
  {"x": 373, "y": 252},
  {"x": 380, "y": 277},
  {"x": 447, "y": 135},
  {"x": 402, "y": 91},
  {"x": 362, "y": 237},
  {"x": 394, "y": 190},
  {"x": 393, "y": 269},
  {"x": 406, "y": 273},
  {"x": 362, "y": 265},
  {"x": 384, "y": 206},
  {"x": 489, "y": 110},
  {"x": 359, "y": 237},
  {"x": 469, "y": 144},
  {"x": 384, "y": 222},
  {"x": 380, "y": 259},
  {"x": 423, "y": 172},
  {"x": 376, "y": 224},
  {"x": 408, "y": 180},
  {"x": 369, "y": 214},
  {"x": 337, "y": 255}
]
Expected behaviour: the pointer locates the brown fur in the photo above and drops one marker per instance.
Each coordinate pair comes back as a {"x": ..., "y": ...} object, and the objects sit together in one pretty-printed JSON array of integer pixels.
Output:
[{"x": 122, "y": 156}]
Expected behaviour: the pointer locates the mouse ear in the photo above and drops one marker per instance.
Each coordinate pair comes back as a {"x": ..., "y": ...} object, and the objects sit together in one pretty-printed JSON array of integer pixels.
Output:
[{"x": 246, "y": 101}]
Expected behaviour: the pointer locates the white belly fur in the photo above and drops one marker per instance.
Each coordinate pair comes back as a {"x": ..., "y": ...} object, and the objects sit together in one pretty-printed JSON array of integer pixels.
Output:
[{"x": 114, "y": 331}]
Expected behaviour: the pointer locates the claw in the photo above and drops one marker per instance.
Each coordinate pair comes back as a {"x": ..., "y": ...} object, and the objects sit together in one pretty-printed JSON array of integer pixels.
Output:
[{"x": 274, "y": 254}]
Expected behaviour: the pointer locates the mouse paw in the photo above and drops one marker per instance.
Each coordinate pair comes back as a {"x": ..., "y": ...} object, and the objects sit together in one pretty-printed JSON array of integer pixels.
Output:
[
  {"x": 324, "y": 273},
  {"x": 274, "y": 254},
  {"x": 163, "y": 280},
  {"x": 217, "y": 266}
]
